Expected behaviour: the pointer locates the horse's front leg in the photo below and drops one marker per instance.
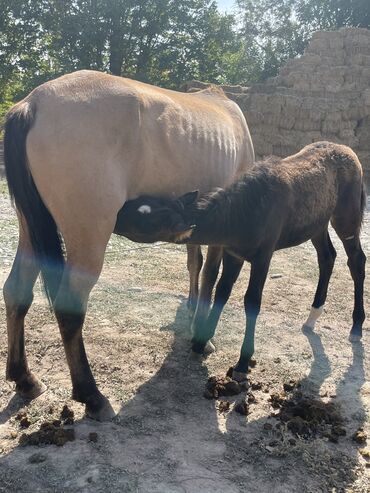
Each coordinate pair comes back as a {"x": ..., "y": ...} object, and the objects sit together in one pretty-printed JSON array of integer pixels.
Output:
[
  {"x": 252, "y": 304},
  {"x": 231, "y": 267}
]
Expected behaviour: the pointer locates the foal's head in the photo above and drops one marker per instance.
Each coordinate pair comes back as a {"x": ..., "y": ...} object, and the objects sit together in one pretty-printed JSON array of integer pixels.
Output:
[{"x": 148, "y": 219}]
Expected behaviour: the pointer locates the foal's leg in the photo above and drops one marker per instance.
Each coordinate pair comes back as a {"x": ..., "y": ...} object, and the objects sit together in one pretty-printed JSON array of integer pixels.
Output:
[
  {"x": 347, "y": 224},
  {"x": 356, "y": 263},
  {"x": 252, "y": 305},
  {"x": 195, "y": 262},
  {"x": 18, "y": 297},
  {"x": 209, "y": 277},
  {"x": 230, "y": 273},
  {"x": 83, "y": 266},
  {"x": 326, "y": 255}
]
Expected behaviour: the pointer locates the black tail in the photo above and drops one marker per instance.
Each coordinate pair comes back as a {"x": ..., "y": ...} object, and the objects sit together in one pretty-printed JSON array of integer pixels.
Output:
[{"x": 45, "y": 240}]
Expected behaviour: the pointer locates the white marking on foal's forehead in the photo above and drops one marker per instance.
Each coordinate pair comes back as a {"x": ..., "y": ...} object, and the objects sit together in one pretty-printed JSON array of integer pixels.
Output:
[{"x": 145, "y": 209}]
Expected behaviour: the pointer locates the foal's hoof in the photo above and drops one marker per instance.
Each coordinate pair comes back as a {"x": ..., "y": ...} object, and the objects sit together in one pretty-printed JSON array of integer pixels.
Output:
[
  {"x": 30, "y": 387},
  {"x": 101, "y": 410},
  {"x": 209, "y": 348},
  {"x": 239, "y": 376},
  {"x": 202, "y": 351},
  {"x": 354, "y": 337}
]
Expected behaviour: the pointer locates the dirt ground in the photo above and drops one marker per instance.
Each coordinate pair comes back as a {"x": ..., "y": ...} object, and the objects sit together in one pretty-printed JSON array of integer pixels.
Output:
[{"x": 167, "y": 437}]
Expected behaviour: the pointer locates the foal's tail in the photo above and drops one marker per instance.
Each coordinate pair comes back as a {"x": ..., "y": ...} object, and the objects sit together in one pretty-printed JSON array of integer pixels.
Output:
[{"x": 43, "y": 233}]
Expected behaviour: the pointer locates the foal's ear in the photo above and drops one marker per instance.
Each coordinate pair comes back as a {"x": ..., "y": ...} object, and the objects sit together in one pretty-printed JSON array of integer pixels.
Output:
[{"x": 189, "y": 198}]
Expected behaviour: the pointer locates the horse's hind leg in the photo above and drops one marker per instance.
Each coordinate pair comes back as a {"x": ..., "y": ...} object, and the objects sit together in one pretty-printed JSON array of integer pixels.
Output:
[
  {"x": 18, "y": 297},
  {"x": 347, "y": 224},
  {"x": 209, "y": 277},
  {"x": 195, "y": 262},
  {"x": 83, "y": 267},
  {"x": 326, "y": 255}
]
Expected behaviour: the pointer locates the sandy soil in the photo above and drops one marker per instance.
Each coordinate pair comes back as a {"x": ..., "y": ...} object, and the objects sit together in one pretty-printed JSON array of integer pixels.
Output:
[{"x": 167, "y": 438}]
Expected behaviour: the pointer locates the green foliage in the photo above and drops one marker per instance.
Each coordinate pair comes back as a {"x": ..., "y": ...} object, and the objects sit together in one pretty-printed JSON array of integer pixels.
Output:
[
  {"x": 164, "y": 42},
  {"x": 275, "y": 30}
]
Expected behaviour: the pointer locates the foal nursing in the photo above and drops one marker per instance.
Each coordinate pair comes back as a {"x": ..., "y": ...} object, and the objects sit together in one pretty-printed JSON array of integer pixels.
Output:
[{"x": 280, "y": 203}]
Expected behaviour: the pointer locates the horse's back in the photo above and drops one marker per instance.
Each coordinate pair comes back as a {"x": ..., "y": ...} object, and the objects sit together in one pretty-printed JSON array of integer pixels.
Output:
[
  {"x": 172, "y": 141},
  {"x": 97, "y": 140}
]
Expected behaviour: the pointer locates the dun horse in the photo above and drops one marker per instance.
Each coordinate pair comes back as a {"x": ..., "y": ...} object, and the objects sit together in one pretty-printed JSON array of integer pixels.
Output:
[
  {"x": 75, "y": 150},
  {"x": 277, "y": 204}
]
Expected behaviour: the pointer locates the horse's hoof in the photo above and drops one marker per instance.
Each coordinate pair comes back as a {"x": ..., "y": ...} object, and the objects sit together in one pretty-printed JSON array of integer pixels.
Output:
[
  {"x": 209, "y": 348},
  {"x": 30, "y": 388},
  {"x": 354, "y": 338},
  {"x": 239, "y": 376},
  {"x": 104, "y": 412},
  {"x": 307, "y": 328}
]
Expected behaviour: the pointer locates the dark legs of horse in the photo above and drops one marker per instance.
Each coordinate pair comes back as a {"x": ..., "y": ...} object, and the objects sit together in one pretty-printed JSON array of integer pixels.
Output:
[
  {"x": 347, "y": 224},
  {"x": 252, "y": 305},
  {"x": 70, "y": 309},
  {"x": 205, "y": 330},
  {"x": 195, "y": 262},
  {"x": 18, "y": 297},
  {"x": 356, "y": 263},
  {"x": 326, "y": 255},
  {"x": 209, "y": 277}
]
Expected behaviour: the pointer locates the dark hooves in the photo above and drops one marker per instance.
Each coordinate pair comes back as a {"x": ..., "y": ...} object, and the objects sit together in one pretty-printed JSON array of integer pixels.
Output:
[
  {"x": 30, "y": 387},
  {"x": 356, "y": 334},
  {"x": 203, "y": 348},
  {"x": 100, "y": 409}
]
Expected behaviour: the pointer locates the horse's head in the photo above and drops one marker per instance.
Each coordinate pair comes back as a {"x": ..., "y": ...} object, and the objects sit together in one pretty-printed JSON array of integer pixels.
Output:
[{"x": 148, "y": 219}]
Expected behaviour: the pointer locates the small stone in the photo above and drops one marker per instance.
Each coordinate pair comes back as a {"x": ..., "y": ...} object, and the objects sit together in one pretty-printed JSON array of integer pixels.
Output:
[
  {"x": 93, "y": 437},
  {"x": 360, "y": 436},
  {"x": 37, "y": 458},
  {"x": 276, "y": 276},
  {"x": 277, "y": 360},
  {"x": 13, "y": 434},
  {"x": 251, "y": 398}
]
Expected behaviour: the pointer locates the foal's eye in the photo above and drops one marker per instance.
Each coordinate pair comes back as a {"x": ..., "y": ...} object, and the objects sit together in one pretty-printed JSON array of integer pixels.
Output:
[{"x": 145, "y": 209}]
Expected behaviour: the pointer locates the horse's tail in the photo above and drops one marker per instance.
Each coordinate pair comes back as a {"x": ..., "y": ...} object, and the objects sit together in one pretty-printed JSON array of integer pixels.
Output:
[{"x": 45, "y": 240}]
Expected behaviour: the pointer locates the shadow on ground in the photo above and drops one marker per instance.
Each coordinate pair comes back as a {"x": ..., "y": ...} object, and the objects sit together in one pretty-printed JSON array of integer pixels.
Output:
[{"x": 169, "y": 439}]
